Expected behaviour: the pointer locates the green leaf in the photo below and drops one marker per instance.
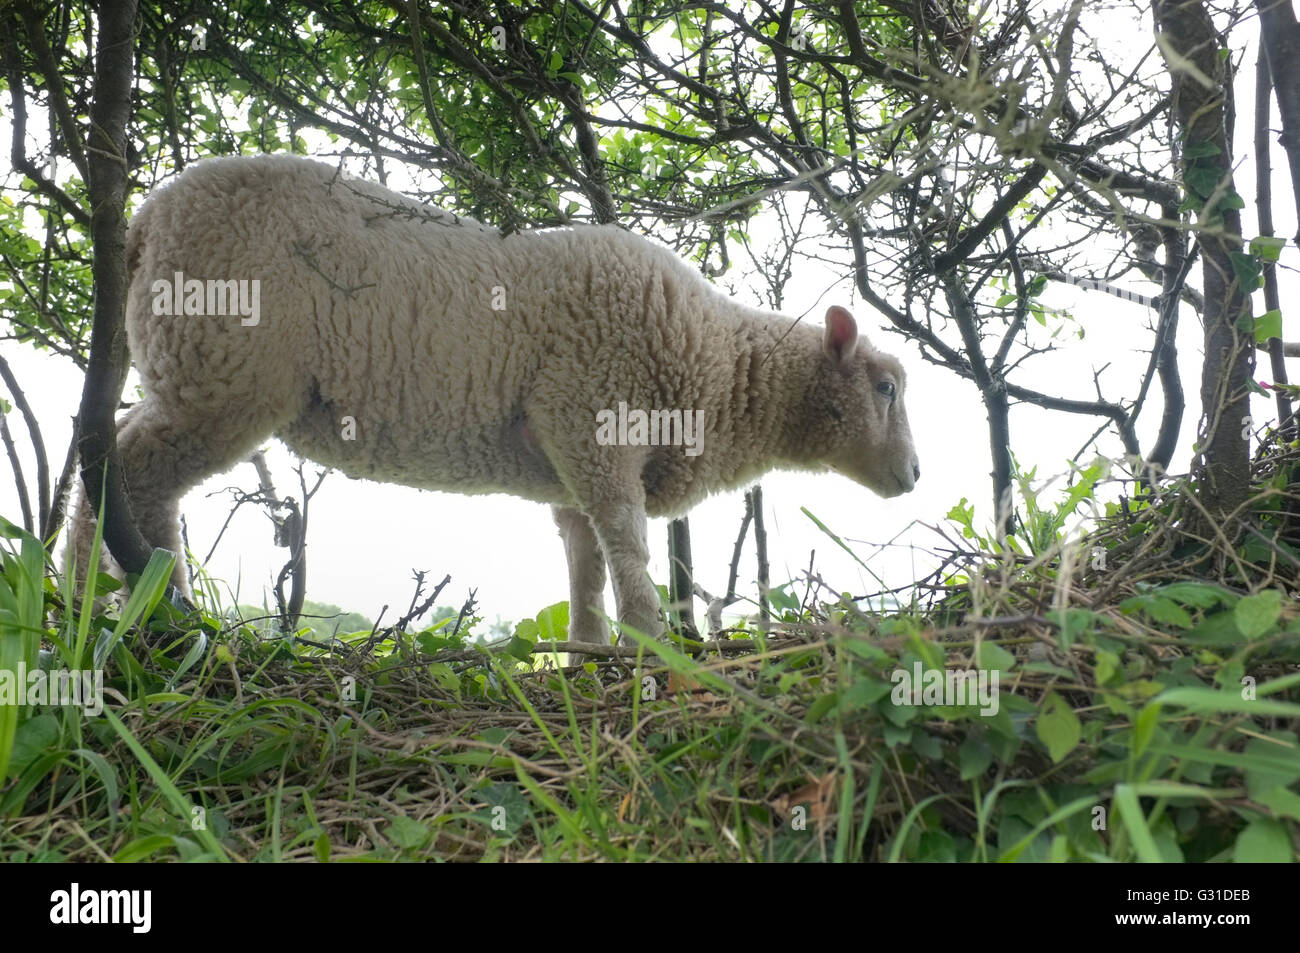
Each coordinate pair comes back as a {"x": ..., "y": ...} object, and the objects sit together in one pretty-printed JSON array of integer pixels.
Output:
[
  {"x": 1282, "y": 801},
  {"x": 34, "y": 737},
  {"x": 1267, "y": 248},
  {"x": 992, "y": 656},
  {"x": 864, "y": 692},
  {"x": 974, "y": 756},
  {"x": 408, "y": 833},
  {"x": 1264, "y": 841},
  {"x": 1257, "y": 614},
  {"x": 1246, "y": 268},
  {"x": 144, "y": 847},
  {"x": 553, "y": 622},
  {"x": 1167, "y": 611},
  {"x": 431, "y": 644},
  {"x": 1268, "y": 325},
  {"x": 1074, "y": 623},
  {"x": 1106, "y": 666},
  {"x": 1202, "y": 181},
  {"x": 1144, "y": 727},
  {"x": 1201, "y": 150},
  {"x": 1219, "y": 629},
  {"x": 1135, "y": 822},
  {"x": 1208, "y": 699},
  {"x": 521, "y": 649},
  {"x": 1201, "y": 595},
  {"x": 820, "y": 706},
  {"x": 1058, "y": 727}
]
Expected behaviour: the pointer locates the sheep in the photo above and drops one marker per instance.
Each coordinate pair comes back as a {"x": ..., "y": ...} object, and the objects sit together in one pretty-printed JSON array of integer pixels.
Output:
[{"x": 584, "y": 367}]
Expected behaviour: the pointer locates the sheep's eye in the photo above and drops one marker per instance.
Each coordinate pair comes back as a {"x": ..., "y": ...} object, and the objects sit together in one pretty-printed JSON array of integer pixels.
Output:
[
  {"x": 834, "y": 411},
  {"x": 887, "y": 388}
]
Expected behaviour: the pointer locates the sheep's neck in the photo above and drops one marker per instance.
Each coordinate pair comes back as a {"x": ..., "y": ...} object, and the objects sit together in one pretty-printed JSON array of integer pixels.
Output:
[{"x": 777, "y": 362}]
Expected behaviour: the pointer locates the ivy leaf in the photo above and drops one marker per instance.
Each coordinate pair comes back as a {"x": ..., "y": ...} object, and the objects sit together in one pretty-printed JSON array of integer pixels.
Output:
[
  {"x": 1246, "y": 268},
  {"x": 1267, "y": 248},
  {"x": 1201, "y": 180},
  {"x": 1268, "y": 325},
  {"x": 1256, "y": 614},
  {"x": 1201, "y": 150}
]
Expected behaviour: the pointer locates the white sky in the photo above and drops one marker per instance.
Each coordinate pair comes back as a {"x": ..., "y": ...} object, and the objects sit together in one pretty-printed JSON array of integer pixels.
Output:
[{"x": 364, "y": 538}]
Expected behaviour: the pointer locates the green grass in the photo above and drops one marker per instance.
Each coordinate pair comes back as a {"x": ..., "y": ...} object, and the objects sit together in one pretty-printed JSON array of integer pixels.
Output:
[{"x": 1145, "y": 716}]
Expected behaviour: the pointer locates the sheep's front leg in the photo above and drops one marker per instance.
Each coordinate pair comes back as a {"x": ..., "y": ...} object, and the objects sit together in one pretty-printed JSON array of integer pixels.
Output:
[
  {"x": 621, "y": 529},
  {"x": 586, "y": 576}
]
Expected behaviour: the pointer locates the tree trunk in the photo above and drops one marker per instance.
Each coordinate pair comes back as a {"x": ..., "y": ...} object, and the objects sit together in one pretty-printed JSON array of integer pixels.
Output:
[
  {"x": 1264, "y": 207},
  {"x": 109, "y": 361},
  {"x": 1190, "y": 45},
  {"x": 681, "y": 578},
  {"x": 1279, "y": 37}
]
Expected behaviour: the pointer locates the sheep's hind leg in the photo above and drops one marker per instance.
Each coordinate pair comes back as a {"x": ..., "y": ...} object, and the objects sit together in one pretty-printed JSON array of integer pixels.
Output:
[
  {"x": 165, "y": 452},
  {"x": 621, "y": 528},
  {"x": 586, "y": 576}
]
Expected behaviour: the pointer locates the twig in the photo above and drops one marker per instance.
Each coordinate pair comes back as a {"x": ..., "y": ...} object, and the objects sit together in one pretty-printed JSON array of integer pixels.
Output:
[
  {"x": 413, "y": 612},
  {"x": 465, "y": 610},
  {"x": 760, "y": 544},
  {"x": 38, "y": 444},
  {"x": 19, "y": 481}
]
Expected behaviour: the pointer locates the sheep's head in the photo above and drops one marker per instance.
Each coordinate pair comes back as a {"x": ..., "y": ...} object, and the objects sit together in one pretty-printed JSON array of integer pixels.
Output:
[{"x": 857, "y": 405}]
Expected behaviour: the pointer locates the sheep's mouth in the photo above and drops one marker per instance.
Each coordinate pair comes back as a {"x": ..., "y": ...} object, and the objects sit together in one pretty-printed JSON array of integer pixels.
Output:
[
  {"x": 905, "y": 484},
  {"x": 887, "y": 488}
]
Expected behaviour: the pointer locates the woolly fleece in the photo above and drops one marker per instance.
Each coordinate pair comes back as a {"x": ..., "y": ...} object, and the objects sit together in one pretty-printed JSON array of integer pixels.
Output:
[{"x": 475, "y": 362}]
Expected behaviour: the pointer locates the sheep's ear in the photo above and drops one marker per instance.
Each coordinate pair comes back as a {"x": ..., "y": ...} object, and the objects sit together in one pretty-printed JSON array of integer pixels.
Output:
[{"x": 841, "y": 334}]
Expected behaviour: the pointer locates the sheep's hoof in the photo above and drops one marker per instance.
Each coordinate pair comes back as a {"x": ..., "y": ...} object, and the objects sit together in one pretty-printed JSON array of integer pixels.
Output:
[{"x": 179, "y": 600}]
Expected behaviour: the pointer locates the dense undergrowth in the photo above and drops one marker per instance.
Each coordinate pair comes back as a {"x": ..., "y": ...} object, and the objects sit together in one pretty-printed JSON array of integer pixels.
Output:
[{"x": 1147, "y": 708}]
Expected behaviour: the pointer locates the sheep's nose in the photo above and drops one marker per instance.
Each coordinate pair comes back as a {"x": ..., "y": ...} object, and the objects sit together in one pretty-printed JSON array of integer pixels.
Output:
[{"x": 916, "y": 469}]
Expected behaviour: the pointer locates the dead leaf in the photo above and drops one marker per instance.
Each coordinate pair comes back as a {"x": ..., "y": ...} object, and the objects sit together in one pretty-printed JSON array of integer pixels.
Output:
[
  {"x": 685, "y": 684},
  {"x": 819, "y": 795}
]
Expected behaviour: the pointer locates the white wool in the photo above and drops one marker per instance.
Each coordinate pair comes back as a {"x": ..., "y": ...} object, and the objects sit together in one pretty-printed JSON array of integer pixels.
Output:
[{"x": 402, "y": 343}]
